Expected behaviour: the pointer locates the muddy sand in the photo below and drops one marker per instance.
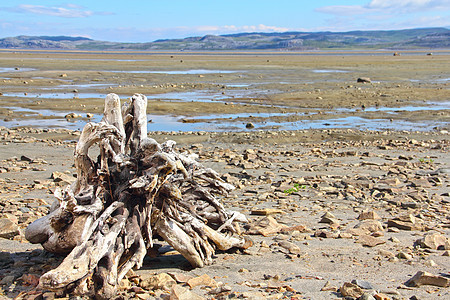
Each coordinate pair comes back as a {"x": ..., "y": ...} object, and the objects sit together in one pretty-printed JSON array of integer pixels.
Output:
[{"x": 326, "y": 206}]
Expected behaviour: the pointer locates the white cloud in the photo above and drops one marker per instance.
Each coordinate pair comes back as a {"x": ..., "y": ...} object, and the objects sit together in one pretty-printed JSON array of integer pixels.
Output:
[
  {"x": 343, "y": 10},
  {"x": 69, "y": 11},
  {"x": 387, "y": 6},
  {"x": 409, "y": 5}
]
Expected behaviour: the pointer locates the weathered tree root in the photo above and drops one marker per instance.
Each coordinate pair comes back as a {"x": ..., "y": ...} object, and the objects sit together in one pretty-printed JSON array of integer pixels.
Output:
[{"x": 107, "y": 219}]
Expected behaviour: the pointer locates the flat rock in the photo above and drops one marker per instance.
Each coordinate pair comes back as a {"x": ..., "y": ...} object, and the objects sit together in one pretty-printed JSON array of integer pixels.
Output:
[
  {"x": 432, "y": 241},
  {"x": 351, "y": 290},
  {"x": 370, "y": 225},
  {"x": 180, "y": 277},
  {"x": 203, "y": 280},
  {"x": 368, "y": 215},
  {"x": 159, "y": 281},
  {"x": 363, "y": 284},
  {"x": 267, "y": 211},
  {"x": 404, "y": 225},
  {"x": 329, "y": 218},
  {"x": 8, "y": 229},
  {"x": 425, "y": 278},
  {"x": 370, "y": 241},
  {"x": 181, "y": 293},
  {"x": 291, "y": 247},
  {"x": 62, "y": 177},
  {"x": 266, "y": 226}
]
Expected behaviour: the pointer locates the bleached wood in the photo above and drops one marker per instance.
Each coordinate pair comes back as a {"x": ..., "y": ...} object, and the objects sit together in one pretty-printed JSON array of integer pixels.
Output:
[{"x": 136, "y": 187}]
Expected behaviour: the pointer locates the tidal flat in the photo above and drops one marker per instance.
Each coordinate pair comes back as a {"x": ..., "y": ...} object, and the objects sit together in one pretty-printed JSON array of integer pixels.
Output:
[
  {"x": 216, "y": 91},
  {"x": 345, "y": 184}
]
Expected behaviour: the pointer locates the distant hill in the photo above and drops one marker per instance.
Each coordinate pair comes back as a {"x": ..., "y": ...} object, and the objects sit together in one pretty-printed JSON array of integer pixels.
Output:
[
  {"x": 43, "y": 42},
  {"x": 285, "y": 41}
]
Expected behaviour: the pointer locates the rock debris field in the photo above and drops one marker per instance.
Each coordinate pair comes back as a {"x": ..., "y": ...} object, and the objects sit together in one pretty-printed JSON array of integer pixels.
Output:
[{"x": 333, "y": 214}]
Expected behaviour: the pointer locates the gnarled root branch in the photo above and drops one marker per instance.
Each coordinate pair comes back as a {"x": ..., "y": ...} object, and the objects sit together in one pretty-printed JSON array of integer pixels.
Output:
[{"x": 137, "y": 187}]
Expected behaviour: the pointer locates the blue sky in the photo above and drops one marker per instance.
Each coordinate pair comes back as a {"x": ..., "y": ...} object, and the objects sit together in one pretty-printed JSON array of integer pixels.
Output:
[{"x": 148, "y": 20}]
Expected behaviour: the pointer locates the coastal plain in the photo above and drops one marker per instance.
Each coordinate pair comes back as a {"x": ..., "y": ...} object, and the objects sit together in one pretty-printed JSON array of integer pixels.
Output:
[
  {"x": 225, "y": 91},
  {"x": 345, "y": 184}
]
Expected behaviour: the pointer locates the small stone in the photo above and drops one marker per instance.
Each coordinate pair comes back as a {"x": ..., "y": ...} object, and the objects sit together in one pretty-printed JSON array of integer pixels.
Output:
[
  {"x": 266, "y": 226},
  {"x": 364, "y": 80},
  {"x": 329, "y": 218},
  {"x": 366, "y": 296},
  {"x": 181, "y": 293},
  {"x": 381, "y": 296},
  {"x": 351, "y": 290},
  {"x": 370, "y": 241},
  {"x": 249, "y": 126},
  {"x": 25, "y": 158},
  {"x": 430, "y": 263},
  {"x": 404, "y": 225},
  {"x": 345, "y": 235},
  {"x": 363, "y": 284},
  {"x": 370, "y": 225},
  {"x": 62, "y": 177},
  {"x": 160, "y": 281},
  {"x": 266, "y": 211},
  {"x": 291, "y": 247},
  {"x": 89, "y": 115},
  {"x": 8, "y": 229},
  {"x": 203, "y": 280},
  {"x": 404, "y": 255},
  {"x": 72, "y": 116},
  {"x": 394, "y": 239},
  {"x": 425, "y": 278},
  {"x": 385, "y": 253},
  {"x": 368, "y": 215},
  {"x": 329, "y": 287},
  {"x": 432, "y": 241},
  {"x": 180, "y": 277}
]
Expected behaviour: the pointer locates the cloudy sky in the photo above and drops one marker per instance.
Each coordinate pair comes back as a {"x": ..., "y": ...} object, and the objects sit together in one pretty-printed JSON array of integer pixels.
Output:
[{"x": 148, "y": 20}]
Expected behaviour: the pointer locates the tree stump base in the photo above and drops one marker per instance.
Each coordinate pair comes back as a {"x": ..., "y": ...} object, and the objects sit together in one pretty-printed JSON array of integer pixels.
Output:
[{"x": 136, "y": 190}]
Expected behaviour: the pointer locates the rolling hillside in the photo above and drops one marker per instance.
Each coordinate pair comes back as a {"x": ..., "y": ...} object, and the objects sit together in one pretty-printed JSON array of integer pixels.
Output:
[{"x": 428, "y": 38}]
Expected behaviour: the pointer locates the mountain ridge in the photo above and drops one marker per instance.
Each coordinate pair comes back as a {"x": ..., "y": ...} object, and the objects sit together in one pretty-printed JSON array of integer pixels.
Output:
[{"x": 430, "y": 38}]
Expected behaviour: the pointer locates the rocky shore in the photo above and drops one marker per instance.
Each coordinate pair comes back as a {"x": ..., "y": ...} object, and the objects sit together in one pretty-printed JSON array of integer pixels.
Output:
[{"x": 334, "y": 214}]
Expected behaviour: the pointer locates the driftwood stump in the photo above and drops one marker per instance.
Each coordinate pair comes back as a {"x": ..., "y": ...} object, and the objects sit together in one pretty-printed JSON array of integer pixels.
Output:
[{"x": 136, "y": 190}]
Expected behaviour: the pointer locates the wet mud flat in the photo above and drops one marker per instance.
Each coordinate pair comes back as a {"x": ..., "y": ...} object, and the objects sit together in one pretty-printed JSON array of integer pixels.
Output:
[{"x": 226, "y": 91}]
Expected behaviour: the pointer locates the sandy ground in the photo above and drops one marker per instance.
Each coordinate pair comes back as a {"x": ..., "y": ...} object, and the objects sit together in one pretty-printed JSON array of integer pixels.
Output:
[
  {"x": 344, "y": 178},
  {"x": 340, "y": 171}
]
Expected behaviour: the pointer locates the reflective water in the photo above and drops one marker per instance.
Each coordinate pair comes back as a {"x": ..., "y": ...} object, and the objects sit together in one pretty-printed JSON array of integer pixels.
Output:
[
  {"x": 232, "y": 122},
  {"x": 177, "y": 72},
  {"x": 425, "y": 106},
  {"x": 55, "y": 95},
  {"x": 4, "y": 70},
  {"x": 330, "y": 71}
]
